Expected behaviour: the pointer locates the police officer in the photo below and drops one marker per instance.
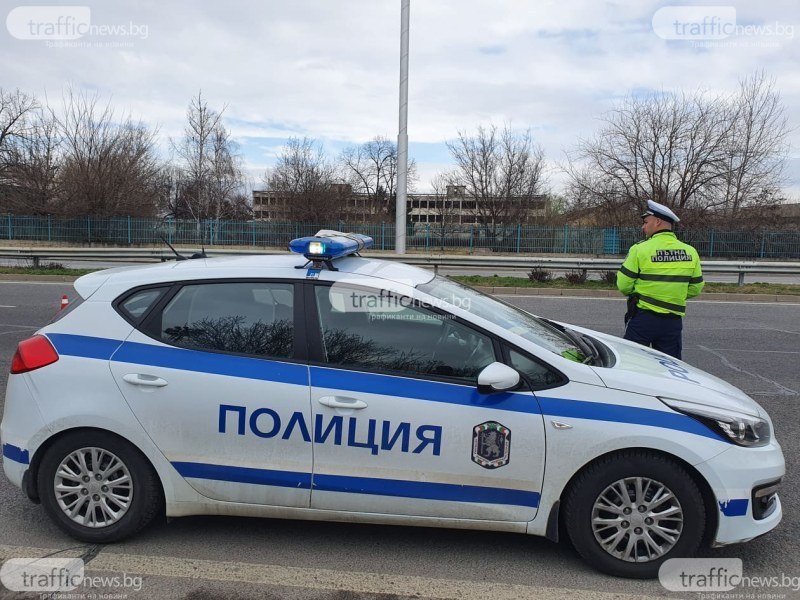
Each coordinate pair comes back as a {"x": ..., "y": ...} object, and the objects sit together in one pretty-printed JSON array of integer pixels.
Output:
[{"x": 658, "y": 275}]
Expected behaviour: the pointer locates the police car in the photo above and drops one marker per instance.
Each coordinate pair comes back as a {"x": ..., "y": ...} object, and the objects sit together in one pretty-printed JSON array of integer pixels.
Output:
[{"x": 322, "y": 385}]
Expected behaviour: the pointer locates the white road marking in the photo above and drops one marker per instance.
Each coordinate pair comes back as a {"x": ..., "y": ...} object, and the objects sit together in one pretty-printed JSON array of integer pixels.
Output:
[
  {"x": 318, "y": 579},
  {"x": 782, "y": 390},
  {"x": 7, "y": 306},
  {"x": 783, "y": 331}
]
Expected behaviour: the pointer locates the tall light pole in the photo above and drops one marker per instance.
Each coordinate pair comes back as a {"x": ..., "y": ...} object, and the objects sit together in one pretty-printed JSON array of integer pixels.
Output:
[{"x": 402, "y": 136}]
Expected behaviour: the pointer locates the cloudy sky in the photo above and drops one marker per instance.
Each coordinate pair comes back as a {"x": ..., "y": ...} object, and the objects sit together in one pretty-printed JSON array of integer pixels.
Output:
[{"x": 329, "y": 69}]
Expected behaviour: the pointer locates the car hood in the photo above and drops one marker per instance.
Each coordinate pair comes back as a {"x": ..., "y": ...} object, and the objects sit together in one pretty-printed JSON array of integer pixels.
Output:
[{"x": 643, "y": 370}]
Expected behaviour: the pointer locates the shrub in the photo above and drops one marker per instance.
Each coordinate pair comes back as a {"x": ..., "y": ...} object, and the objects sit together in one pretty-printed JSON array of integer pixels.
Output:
[
  {"x": 609, "y": 277},
  {"x": 540, "y": 275},
  {"x": 576, "y": 277}
]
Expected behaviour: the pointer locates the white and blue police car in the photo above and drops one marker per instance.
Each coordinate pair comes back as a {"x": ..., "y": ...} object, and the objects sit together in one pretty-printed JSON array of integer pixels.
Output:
[{"x": 326, "y": 386}]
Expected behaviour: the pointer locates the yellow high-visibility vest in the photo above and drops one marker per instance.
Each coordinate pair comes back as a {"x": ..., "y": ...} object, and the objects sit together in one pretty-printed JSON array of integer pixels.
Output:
[{"x": 663, "y": 271}]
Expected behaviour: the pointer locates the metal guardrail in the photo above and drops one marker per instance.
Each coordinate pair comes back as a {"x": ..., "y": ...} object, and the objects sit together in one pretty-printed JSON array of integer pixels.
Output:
[{"x": 740, "y": 268}]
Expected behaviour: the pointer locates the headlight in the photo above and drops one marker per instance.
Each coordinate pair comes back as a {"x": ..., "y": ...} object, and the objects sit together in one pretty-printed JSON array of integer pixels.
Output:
[{"x": 740, "y": 428}]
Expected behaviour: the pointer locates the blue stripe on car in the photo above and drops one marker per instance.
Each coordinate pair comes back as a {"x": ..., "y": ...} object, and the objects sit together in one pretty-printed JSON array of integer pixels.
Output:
[
  {"x": 16, "y": 454},
  {"x": 210, "y": 362},
  {"x": 402, "y": 387},
  {"x": 84, "y": 345},
  {"x": 599, "y": 411},
  {"x": 425, "y": 490},
  {"x": 244, "y": 475},
  {"x": 179, "y": 358},
  {"x": 360, "y": 485},
  {"x": 734, "y": 508}
]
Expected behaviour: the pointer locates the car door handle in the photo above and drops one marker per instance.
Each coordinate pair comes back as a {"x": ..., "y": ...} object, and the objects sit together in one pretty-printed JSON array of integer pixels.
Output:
[
  {"x": 342, "y": 402},
  {"x": 148, "y": 380}
]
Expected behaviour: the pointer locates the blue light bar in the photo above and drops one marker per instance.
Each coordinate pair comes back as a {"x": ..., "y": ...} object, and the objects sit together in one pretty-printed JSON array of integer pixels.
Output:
[{"x": 327, "y": 245}]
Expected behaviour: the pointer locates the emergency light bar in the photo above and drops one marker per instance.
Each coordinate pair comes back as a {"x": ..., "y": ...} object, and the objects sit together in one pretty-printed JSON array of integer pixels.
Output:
[{"x": 329, "y": 245}]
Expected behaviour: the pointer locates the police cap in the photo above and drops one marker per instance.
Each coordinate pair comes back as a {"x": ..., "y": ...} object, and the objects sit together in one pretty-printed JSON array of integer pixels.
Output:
[{"x": 660, "y": 212}]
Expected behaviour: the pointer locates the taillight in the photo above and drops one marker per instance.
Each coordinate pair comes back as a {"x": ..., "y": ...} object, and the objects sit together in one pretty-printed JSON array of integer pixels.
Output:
[{"x": 33, "y": 353}]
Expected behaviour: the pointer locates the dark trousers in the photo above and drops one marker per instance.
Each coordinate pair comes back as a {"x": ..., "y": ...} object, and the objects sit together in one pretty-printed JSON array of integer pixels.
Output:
[{"x": 660, "y": 332}]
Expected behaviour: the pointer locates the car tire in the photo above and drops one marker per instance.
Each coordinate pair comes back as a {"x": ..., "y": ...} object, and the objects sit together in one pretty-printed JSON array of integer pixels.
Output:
[
  {"x": 98, "y": 487},
  {"x": 620, "y": 536}
]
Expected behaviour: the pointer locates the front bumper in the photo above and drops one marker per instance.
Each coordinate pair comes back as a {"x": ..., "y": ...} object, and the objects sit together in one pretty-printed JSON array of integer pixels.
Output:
[{"x": 733, "y": 476}]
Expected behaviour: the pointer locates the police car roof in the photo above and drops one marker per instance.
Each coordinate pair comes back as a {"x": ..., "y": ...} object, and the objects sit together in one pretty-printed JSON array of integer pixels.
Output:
[{"x": 245, "y": 266}]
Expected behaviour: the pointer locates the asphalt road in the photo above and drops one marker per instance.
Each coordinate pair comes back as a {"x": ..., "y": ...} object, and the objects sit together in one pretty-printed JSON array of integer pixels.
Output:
[{"x": 754, "y": 346}]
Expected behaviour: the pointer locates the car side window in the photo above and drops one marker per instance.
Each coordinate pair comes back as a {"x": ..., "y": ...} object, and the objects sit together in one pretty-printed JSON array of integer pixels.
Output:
[
  {"x": 539, "y": 375},
  {"x": 137, "y": 304},
  {"x": 254, "y": 318},
  {"x": 386, "y": 332}
]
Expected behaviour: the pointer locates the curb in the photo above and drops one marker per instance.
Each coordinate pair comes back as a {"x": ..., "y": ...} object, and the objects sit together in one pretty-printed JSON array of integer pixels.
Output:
[{"x": 23, "y": 277}]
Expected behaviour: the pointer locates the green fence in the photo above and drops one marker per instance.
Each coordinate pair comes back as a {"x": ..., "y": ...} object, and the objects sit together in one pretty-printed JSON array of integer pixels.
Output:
[{"x": 429, "y": 238}]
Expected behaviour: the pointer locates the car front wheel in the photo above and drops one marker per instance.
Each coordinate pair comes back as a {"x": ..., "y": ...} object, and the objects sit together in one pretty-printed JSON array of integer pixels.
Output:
[
  {"x": 628, "y": 513},
  {"x": 97, "y": 487}
]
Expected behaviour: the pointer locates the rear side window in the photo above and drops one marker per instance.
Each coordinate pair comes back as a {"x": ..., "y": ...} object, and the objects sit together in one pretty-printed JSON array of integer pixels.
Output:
[
  {"x": 253, "y": 318},
  {"x": 136, "y": 305}
]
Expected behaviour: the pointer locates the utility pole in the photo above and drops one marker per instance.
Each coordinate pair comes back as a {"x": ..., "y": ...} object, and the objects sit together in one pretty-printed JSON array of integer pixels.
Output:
[{"x": 402, "y": 136}]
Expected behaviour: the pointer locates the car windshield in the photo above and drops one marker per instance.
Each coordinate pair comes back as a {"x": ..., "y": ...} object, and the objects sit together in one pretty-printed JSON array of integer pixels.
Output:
[{"x": 511, "y": 318}]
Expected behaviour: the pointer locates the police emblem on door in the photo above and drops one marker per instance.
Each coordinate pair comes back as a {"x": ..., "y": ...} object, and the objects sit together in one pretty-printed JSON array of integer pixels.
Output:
[{"x": 491, "y": 445}]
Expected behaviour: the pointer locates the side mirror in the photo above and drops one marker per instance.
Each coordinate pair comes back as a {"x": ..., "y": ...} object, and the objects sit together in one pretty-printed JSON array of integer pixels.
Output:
[{"x": 497, "y": 377}]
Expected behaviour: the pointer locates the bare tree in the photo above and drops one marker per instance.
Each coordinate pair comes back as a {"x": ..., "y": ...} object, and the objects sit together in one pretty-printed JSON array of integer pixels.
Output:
[
  {"x": 503, "y": 172},
  {"x": 208, "y": 179},
  {"x": 227, "y": 178},
  {"x": 306, "y": 184},
  {"x": 371, "y": 170},
  {"x": 170, "y": 186},
  {"x": 16, "y": 112},
  {"x": 756, "y": 150},
  {"x": 704, "y": 156},
  {"x": 33, "y": 166},
  {"x": 448, "y": 208},
  {"x": 109, "y": 165}
]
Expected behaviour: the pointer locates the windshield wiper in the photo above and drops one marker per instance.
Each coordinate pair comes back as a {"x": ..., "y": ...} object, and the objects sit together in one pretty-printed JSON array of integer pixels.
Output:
[
  {"x": 583, "y": 343},
  {"x": 591, "y": 343}
]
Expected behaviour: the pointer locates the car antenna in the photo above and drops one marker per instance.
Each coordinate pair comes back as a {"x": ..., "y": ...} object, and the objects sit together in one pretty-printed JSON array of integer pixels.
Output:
[
  {"x": 202, "y": 253},
  {"x": 178, "y": 255}
]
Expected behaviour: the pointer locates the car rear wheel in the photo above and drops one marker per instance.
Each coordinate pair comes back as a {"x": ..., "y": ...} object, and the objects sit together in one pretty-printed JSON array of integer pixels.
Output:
[
  {"x": 628, "y": 513},
  {"x": 97, "y": 487}
]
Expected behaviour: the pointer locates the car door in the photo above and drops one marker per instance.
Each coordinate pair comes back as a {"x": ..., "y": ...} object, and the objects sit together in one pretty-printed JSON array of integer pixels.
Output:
[
  {"x": 216, "y": 374},
  {"x": 398, "y": 422}
]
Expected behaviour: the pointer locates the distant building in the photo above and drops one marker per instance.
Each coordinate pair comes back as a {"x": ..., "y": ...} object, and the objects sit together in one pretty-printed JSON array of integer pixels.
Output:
[
  {"x": 788, "y": 214},
  {"x": 453, "y": 208}
]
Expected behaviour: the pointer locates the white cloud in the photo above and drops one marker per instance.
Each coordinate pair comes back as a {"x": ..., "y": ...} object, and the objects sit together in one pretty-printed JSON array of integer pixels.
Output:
[{"x": 330, "y": 70}]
